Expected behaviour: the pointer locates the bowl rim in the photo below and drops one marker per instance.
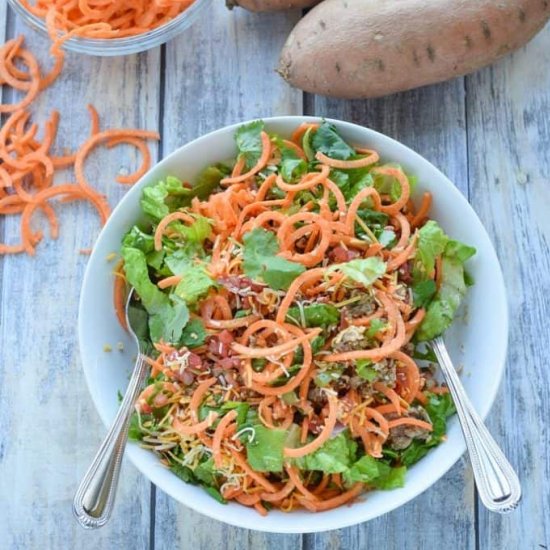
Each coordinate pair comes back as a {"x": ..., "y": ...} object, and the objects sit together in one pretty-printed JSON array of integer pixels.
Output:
[
  {"x": 325, "y": 522},
  {"x": 106, "y": 47}
]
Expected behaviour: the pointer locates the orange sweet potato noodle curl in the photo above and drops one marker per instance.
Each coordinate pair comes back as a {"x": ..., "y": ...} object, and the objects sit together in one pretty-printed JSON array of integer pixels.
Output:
[
  {"x": 267, "y": 365},
  {"x": 28, "y": 164},
  {"x": 103, "y": 20}
]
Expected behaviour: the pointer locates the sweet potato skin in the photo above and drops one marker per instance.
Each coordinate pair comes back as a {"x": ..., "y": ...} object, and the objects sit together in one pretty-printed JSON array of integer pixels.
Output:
[
  {"x": 368, "y": 48},
  {"x": 271, "y": 5}
]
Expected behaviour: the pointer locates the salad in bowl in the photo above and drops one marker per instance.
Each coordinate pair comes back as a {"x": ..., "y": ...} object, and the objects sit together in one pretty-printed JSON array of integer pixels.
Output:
[
  {"x": 287, "y": 274},
  {"x": 284, "y": 297}
]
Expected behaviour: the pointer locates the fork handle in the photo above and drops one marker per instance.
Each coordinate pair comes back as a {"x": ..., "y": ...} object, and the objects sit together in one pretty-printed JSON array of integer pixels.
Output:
[
  {"x": 94, "y": 500},
  {"x": 497, "y": 483}
]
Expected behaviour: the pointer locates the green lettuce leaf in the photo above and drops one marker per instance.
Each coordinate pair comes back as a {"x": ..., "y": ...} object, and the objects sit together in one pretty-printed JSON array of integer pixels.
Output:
[
  {"x": 137, "y": 274},
  {"x": 168, "y": 315},
  {"x": 249, "y": 142},
  {"x": 136, "y": 238},
  {"x": 197, "y": 232},
  {"x": 390, "y": 478},
  {"x": 205, "y": 472},
  {"x": 423, "y": 292},
  {"x": 439, "y": 408},
  {"x": 442, "y": 309},
  {"x": 315, "y": 315},
  {"x": 335, "y": 455},
  {"x": 157, "y": 201},
  {"x": 182, "y": 258},
  {"x": 431, "y": 243},
  {"x": 376, "y": 473},
  {"x": 205, "y": 184},
  {"x": 261, "y": 262},
  {"x": 364, "y": 271},
  {"x": 388, "y": 185},
  {"x": 265, "y": 451},
  {"x": 152, "y": 201},
  {"x": 194, "y": 285}
]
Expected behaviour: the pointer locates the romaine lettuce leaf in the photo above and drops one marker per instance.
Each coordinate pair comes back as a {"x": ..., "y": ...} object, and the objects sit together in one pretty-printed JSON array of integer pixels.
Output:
[
  {"x": 431, "y": 244},
  {"x": 265, "y": 451},
  {"x": 137, "y": 274},
  {"x": 261, "y": 262},
  {"x": 136, "y": 238},
  {"x": 167, "y": 315},
  {"x": 194, "y": 285},
  {"x": 376, "y": 473},
  {"x": 439, "y": 408},
  {"x": 441, "y": 311},
  {"x": 166, "y": 196},
  {"x": 364, "y": 271},
  {"x": 335, "y": 455}
]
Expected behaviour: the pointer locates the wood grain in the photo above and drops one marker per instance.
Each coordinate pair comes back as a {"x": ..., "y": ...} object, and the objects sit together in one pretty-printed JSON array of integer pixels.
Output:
[
  {"x": 489, "y": 132},
  {"x": 431, "y": 121},
  {"x": 509, "y": 162},
  {"x": 219, "y": 73},
  {"x": 50, "y": 430}
]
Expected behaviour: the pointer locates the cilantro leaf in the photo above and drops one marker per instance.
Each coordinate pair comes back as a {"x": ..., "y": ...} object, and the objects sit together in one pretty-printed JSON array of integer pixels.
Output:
[
  {"x": 351, "y": 182},
  {"x": 205, "y": 471},
  {"x": 291, "y": 166},
  {"x": 375, "y": 327},
  {"x": 193, "y": 335},
  {"x": 249, "y": 142},
  {"x": 167, "y": 324},
  {"x": 365, "y": 370},
  {"x": 315, "y": 315},
  {"x": 260, "y": 261},
  {"x": 327, "y": 140}
]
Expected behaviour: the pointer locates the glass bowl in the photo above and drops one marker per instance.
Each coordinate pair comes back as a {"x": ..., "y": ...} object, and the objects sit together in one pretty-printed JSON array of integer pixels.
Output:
[{"x": 121, "y": 46}]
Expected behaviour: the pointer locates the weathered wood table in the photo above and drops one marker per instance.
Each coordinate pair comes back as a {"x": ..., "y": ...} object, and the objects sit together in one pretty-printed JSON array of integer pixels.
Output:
[{"x": 489, "y": 132}]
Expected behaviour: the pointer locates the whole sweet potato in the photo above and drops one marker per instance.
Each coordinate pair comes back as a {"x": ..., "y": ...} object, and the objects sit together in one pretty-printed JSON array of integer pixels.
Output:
[
  {"x": 271, "y": 5},
  {"x": 370, "y": 48}
]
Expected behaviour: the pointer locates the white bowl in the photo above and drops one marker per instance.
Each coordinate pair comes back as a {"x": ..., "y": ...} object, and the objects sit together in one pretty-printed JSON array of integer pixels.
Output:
[{"x": 477, "y": 341}]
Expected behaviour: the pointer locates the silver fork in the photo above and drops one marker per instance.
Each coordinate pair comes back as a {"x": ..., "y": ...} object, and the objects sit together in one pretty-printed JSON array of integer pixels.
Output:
[
  {"x": 94, "y": 500},
  {"x": 497, "y": 483}
]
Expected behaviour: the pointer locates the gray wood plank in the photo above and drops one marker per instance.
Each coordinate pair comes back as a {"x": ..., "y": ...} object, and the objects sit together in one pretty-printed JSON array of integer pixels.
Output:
[
  {"x": 50, "y": 430},
  {"x": 221, "y": 72},
  {"x": 509, "y": 160},
  {"x": 431, "y": 121}
]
